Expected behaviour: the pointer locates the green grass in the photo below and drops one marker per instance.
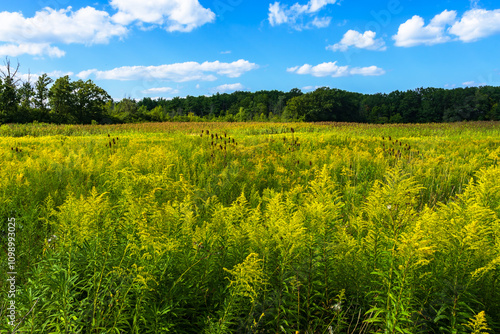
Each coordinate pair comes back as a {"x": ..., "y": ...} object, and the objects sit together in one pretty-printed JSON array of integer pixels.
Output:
[{"x": 334, "y": 227}]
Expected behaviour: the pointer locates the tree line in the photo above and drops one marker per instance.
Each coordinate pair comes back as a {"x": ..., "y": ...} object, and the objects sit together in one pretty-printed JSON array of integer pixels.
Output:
[{"x": 64, "y": 101}]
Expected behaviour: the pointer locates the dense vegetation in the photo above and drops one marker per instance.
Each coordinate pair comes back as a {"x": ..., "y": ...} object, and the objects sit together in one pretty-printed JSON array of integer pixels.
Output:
[
  {"x": 253, "y": 227},
  {"x": 83, "y": 102}
]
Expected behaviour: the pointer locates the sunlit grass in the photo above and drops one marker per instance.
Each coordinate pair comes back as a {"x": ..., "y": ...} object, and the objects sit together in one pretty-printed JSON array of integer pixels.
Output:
[{"x": 253, "y": 227}]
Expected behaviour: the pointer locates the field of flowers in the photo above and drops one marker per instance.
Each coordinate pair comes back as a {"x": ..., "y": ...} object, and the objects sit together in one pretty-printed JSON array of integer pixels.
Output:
[{"x": 252, "y": 228}]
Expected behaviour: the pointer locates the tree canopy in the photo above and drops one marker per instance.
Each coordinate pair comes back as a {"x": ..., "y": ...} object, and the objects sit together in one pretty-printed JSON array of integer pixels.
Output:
[{"x": 83, "y": 102}]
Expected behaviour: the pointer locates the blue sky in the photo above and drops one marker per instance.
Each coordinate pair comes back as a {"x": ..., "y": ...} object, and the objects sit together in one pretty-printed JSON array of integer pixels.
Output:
[{"x": 167, "y": 48}]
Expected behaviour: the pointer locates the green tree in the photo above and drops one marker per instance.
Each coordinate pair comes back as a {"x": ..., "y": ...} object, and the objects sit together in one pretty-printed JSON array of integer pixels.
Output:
[
  {"x": 9, "y": 98},
  {"x": 77, "y": 102},
  {"x": 126, "y": 110},
  {"x": 494, "y": 113},
  {"x": 24, "y": 113},
  {"x": 61, "y": 100},
  {"x": 41, "y": 96},
  {"x": 89, "y": 101},
  {"x": 408, "y": 108},
  {"x": 242, "y": 115},
  {"x": 296, "y": 107},
  {"x": 26, "y": 93}
]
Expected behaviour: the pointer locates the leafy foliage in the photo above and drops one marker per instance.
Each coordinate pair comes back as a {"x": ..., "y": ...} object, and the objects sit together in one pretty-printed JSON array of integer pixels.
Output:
[{"x": 224, "y": 227}]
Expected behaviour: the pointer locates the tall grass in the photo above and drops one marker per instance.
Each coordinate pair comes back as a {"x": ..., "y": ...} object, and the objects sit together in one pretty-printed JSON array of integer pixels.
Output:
[{"x": 329, "y": 228}]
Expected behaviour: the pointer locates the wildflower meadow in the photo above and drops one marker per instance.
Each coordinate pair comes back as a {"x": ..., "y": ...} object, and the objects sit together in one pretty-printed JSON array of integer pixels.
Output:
[{"x": 250, "y": 228}]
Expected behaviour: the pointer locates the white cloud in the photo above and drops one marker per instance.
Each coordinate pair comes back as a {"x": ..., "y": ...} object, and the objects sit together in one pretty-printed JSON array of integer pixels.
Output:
[
  {"x": 157, "y": 90},
  {"x": 414, "y": 32},
  {"x": 178, "y": 72},
  {"x": 34, "y": 49},
  {"x": 473, "y": 84},
  {"x": 57, "y": 74},
  {"x": 19, "y": 75},
  {"x": 473, "y": 3},
  {"x": 87, "y": 73},
  {"x": 362, "y": 41},
  {"x": 321, "y": 70},
  {"x": 299, "y": 16},
  {"x": 35, "y": 35},
  {"x": 277, "y": 14},
  {"x": 32, "y": 77},
  {"x": 476, "y": 24},
  {"x": 333, "y": 70},
  {"x": 227, "y": 88},
  {"x": 173, "y": 15},
  {"x": 367, "y": 71},
  {"x": 85, "y": 26},
  {"x": 321, "y": 22},
  {"x": 316, "y": 5},
  {"x": 311, "y": 87}
]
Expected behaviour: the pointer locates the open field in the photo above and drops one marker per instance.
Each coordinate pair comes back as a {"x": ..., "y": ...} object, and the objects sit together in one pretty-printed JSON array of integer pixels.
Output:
[{"x": 252, "y": 227}]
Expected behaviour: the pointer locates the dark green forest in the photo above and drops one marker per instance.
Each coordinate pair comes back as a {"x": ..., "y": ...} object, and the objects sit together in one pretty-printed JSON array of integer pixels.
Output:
[{"x": 64, "y": 101}]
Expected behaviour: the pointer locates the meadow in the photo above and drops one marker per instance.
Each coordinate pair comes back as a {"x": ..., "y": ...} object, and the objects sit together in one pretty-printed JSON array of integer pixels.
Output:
[{"x": 252, "y": 227}]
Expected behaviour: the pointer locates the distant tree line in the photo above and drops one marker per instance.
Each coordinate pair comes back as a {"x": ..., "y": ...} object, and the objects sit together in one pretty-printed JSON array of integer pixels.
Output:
[{"x": 82, "y": 102}]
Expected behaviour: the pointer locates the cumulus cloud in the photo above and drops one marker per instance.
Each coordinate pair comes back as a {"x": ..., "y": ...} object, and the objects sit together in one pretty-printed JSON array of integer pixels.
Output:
[
  {"x": 158, "y": 90},
  {"x": 35, "y": 35},
  {"x": 173, "y": 15},
  {"x": 476, "y": 24},
  {"x": 311, "y": 87},
  {"x": 178, "y": 72},
  {"x": 414, "y": 31},
  {"x": 473, "y": 84},
  {"x": 85, "y": 26},
  {"x": 362, "y": 41},
  {"x": 333, "y": 70},
  {"x": 34, "y": 49},
  {"x": 32, "y": 77},
  {"x": 227, "y": 88},
  {"x": 57, "y": 74},
  {"x": 299, "y": 16},
  {"x": 367, "y": 71},
  {"x": 445, "y": 27}
]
